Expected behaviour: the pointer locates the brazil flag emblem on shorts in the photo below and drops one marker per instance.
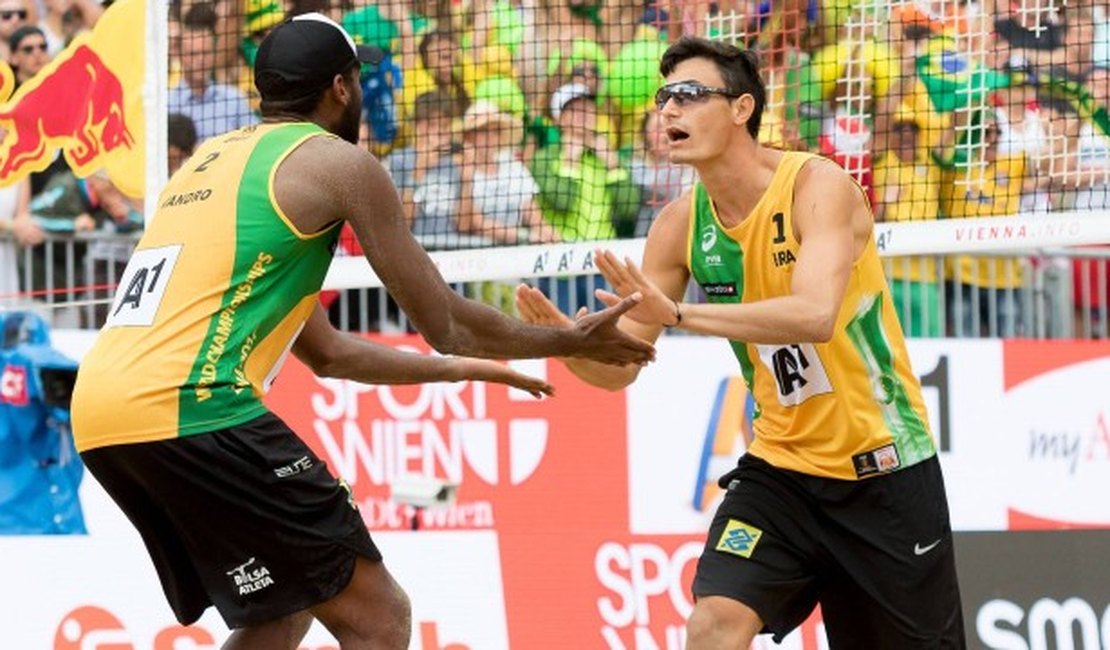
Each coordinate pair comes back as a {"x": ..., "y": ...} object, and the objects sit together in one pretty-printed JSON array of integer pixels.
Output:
[{"x": 739, "y": 538}]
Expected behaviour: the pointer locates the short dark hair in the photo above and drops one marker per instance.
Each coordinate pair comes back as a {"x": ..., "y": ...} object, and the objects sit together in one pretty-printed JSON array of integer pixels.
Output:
[
  {"x": 432, "y": 105},
  {"x": 304, "y": 105},
  {"x": 739, "y": 68},
  {"x": 200, "y": 17},
  {"x": 182, "y": 132}
]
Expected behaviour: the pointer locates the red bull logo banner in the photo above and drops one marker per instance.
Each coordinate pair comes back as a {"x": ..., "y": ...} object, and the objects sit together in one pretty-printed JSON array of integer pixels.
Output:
[{"x": 87, "y": 102}]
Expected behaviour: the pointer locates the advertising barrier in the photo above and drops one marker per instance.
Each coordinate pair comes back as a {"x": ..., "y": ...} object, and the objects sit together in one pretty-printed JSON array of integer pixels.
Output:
[
  {"x": 1058, "y": 595},
  {"x": 579, "y": 519}
]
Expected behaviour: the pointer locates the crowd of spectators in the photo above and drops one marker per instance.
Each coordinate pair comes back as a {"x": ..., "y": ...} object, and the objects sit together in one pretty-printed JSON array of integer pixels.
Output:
[{"x": 531, "y": 121}]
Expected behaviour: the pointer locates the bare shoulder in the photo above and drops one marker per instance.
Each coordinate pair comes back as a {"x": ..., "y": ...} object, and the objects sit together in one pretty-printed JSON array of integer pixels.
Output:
[
  {"x": 321, "y": 180},
  {"x": 820, "y": 176},
  {"x": 325, "y": 158},
  {"x": 825, "y": 194}
]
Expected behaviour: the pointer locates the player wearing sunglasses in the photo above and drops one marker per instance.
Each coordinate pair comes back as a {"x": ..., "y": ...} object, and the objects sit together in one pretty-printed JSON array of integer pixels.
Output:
[
  {"x": 689, "y": 92},
  {"x": 839, "y": 500}
]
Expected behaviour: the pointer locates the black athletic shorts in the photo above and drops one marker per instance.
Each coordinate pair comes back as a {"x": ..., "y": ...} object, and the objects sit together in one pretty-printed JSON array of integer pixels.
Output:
[
  {"x": 245, "y": 518},
  {"x": 875, "y": 553}
]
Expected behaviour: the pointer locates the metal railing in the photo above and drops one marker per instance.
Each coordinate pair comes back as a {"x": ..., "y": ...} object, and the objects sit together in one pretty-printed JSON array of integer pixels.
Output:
[{"x": 1062, "y": 292}]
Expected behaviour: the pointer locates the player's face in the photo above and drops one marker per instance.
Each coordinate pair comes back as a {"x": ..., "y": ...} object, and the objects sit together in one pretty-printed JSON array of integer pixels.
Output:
[{"x": 698, "y": 120}]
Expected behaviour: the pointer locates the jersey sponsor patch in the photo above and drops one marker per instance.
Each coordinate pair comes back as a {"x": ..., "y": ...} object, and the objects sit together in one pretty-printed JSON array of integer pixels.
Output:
[
  {"x": 877, "y": 461},
  {"x": 719, "y": 288},
  {"x": 142, "y": 286},
  {"x": 739, "y": 538}
]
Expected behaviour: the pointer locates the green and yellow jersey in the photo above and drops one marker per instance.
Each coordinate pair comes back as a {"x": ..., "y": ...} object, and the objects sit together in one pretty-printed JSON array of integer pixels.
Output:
[
  {"x": 210, "y": 303},
  {"x": 846, "y": 409}
]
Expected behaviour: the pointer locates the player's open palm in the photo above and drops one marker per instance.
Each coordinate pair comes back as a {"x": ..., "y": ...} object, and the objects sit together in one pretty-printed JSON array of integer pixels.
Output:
[
  {"x": 627, "y": 279},
  {"x": 535, "y": 308},
  {"x": 602, "y": 341}
]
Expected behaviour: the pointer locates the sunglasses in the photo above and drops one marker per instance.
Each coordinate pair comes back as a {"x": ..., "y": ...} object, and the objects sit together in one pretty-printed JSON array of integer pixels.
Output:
[
  {"x": 27, "y": 49},
  {"x": 14, "y": 13},
  {"x": 688, "y": 92}
]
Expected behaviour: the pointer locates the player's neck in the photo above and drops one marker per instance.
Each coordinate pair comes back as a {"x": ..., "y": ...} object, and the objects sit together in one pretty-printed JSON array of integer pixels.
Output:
[
  {"x": 281, "y": 117},
  {"x": 737, "y": 180}
]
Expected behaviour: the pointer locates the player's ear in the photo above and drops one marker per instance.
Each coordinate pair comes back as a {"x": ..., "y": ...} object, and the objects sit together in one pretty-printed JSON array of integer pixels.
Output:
[
  {"x": 742, "y": 109},
  {"x": 339, "y": 86}
]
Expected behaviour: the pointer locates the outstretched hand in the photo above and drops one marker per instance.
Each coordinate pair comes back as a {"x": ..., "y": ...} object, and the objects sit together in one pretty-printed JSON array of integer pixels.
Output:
[
  {"x": 602, "y": 340},
  {"x": 499, "y": 373},
  {"x": 627, "y": 280},
  {"x": 535, "y": 308}
]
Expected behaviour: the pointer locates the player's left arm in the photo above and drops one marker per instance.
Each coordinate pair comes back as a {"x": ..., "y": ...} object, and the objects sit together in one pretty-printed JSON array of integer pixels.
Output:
[
  {"x": 832, "y": 224},
  {"x": 331, "y": 353}
]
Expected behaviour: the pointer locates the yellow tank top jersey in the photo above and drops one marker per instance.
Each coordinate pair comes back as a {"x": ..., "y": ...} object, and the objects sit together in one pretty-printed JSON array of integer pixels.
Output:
[
  {"x": 211, "y": 300},
  {"x": 848, "y": 408}
]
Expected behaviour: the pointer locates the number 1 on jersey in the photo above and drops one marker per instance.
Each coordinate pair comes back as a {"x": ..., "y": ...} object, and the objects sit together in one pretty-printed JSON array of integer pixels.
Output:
[{"x": 780, "y": 228}]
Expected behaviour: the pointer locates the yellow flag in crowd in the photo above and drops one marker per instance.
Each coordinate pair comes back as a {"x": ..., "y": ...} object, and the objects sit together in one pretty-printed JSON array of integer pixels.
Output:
[{"x": 86, "y": 102}]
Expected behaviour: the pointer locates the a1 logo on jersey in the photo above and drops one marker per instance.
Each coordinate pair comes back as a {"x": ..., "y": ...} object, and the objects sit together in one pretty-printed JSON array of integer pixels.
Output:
[
  {"x": 798, "y": 371},
  {"x": 142, "y": 286}
]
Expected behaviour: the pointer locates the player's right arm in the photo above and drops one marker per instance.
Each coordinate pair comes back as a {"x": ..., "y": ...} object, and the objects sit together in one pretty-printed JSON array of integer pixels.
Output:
[
  {"x": 331, "y": 353},
  {"x": 326, "y": 180},
  {"x": 664, "y": 262}
]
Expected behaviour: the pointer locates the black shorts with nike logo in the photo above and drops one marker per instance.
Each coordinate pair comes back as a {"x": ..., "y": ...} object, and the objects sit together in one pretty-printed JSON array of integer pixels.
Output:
[
  {"x": 876, "y": 554},
  {"x": 246, "y": 518}
]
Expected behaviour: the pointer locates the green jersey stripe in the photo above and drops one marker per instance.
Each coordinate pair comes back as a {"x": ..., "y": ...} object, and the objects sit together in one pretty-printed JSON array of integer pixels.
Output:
[
  {"x": 273, "y": 270},
  {"x": 911, "y": 437}
]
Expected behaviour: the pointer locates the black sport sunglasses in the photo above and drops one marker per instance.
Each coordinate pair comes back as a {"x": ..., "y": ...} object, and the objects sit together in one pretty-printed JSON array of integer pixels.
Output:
[{"x": 686, "y": 92}]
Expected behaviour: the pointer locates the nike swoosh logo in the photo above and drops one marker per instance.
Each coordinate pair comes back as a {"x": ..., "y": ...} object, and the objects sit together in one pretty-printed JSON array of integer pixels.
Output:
[{"x": 918, "y": 549}]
